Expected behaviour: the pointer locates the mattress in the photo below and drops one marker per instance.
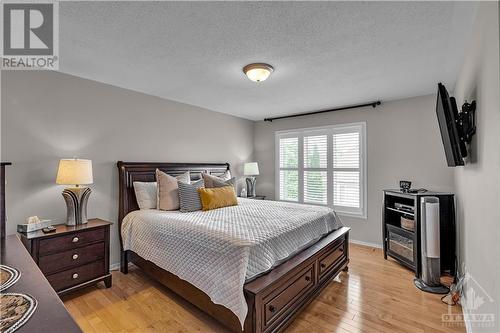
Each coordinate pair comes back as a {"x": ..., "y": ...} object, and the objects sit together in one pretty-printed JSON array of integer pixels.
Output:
[{"x": 219, "y": 250}]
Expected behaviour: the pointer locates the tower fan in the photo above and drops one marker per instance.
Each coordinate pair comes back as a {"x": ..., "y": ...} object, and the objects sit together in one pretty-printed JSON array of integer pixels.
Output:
[{"x": 430, "y": 279}]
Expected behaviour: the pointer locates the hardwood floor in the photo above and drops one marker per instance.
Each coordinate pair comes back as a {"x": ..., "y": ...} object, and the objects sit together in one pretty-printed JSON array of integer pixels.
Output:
[{"x": 374, "y": 296}]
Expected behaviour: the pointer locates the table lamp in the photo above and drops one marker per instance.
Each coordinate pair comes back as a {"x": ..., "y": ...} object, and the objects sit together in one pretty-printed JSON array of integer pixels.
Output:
[
  {"x": 75, "y": 172},
  {"x": 251, "y": 169}
]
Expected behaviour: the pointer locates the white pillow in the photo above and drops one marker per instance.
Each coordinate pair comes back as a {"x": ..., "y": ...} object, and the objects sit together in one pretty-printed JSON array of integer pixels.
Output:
[
  {"x": 145, "y": 193},
  {"x": 226, "y": 175}
]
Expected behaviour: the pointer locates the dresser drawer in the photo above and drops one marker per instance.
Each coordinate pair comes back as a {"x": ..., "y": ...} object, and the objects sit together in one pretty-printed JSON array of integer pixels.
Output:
[
  {"x": 330, "y": 259},
  {"x": 280, "y": 302},
  {"x": 71, "y": 241},
  {"x": 58, "y": 261},
  {"x": 77, "y": 275}
]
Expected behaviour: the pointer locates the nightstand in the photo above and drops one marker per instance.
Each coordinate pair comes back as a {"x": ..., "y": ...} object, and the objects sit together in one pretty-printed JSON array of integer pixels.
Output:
[
  {"x": 72, "y": 257},
  {"x": 258, "y": 197}
]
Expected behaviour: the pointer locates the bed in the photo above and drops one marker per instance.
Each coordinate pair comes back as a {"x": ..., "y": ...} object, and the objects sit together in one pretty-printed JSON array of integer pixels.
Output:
[{"x": 266, "y": 270}]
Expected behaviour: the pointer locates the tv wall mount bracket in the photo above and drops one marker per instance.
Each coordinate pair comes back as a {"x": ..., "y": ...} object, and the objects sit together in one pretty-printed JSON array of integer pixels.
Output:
[{"x": 467, "y": 121}]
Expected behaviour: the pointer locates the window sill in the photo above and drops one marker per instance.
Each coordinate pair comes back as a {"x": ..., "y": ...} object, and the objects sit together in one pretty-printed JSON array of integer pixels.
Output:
[
  {"x": 354, "y": 215},
  {"x": 362, "y": 216}
]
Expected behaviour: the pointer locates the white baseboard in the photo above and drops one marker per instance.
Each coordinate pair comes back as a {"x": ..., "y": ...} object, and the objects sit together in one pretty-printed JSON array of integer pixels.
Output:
[
  {"x": 468, "y": 325},
  {"x": 354, "y": 241},
  {"x": 114, "y": 267}
]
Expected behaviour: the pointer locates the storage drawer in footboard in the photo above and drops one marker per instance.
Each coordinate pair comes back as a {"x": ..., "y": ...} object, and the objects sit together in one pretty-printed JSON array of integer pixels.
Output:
[
  {"x": 277, "y": 297},
  {"x": 280, "y": 302},
  {"x": 330, "y": 260}
]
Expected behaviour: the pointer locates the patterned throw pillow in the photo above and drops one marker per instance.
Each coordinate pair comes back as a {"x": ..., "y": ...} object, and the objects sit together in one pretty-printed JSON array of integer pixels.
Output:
[
  {"x": 214, "y": 181},
  {"x": 189, "y": 198}
]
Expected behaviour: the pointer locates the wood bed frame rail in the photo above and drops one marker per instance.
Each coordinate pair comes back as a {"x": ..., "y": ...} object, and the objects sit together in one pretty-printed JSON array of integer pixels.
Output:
[{"x": 273, "y": 299}]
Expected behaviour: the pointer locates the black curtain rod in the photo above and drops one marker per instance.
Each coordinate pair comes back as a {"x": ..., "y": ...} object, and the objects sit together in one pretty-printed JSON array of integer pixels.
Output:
[{"x": 372, "y": 104}]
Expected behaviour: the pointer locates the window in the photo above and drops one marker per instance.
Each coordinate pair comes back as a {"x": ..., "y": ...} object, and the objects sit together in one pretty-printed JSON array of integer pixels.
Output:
[
  {"x": 289, "y": 169},
  {"x": 323, "y": 166}
]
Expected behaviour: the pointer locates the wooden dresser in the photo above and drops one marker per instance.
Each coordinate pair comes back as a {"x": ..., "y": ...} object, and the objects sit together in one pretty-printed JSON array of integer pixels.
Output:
[
  {"x": 50, "y": 314},
  {"x": 2, "y": 199},
  {"x": 72, "y": 257}
]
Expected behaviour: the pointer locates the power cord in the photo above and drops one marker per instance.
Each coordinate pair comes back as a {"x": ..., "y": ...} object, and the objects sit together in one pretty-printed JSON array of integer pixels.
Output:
[{"x": 455, "y": 289}]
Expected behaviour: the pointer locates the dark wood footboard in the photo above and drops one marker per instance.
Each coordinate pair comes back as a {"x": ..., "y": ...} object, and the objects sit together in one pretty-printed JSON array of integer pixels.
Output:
[
  {"x": 273, "y": 299},
  {"x": 278, "y": 296}
]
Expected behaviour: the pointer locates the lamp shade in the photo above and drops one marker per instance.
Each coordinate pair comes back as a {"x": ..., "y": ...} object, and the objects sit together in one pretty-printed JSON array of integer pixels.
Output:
[
  {"x": 251, "y": 169},
  {"x": 74, "y": 172}
]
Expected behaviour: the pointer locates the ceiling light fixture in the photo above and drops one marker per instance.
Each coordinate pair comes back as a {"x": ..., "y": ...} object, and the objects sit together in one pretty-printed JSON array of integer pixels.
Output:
[{"x": 258, "y": 72}]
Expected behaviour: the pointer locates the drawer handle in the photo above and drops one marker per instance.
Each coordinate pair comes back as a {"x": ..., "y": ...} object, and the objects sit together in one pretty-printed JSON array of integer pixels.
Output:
[
  {"x": 75, "y": 276},
  {"x": 322, "y": 265},
  {"x": 272, "y": 308},
  {"x": 308, "y": 278},
  {"x": 75, "y": 256},
  {"x": 75, "y": 239}
]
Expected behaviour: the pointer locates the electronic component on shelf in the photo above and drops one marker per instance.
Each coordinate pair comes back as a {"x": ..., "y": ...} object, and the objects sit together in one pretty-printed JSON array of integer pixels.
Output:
[{"x": 403, "y": 207}]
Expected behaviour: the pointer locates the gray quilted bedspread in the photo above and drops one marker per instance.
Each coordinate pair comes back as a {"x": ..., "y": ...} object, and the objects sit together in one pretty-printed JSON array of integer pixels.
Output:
[{"x": 218, "y": 250}]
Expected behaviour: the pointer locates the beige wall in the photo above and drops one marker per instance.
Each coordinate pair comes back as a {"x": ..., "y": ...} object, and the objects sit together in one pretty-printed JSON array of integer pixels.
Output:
[
  {"x": 478, "y": 183},
  {"x": 47, "y": 116},
  {"x": 403, "y": 142}
]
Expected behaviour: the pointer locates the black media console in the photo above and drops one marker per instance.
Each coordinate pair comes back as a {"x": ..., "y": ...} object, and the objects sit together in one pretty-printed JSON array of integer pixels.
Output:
[{"x": 403, "y": 244}]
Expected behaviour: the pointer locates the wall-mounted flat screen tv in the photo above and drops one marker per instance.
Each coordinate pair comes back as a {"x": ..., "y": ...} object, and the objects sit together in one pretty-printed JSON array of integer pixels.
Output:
[{"x": 447, "y": 114}]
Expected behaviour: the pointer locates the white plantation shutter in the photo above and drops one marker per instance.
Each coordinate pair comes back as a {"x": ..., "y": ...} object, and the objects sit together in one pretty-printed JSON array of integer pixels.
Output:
[
  {"x": 346, "y": 152},
  {"x": 315, "y": 151},
  {"x": 289, "y": 185},
  {"x": 315, "y": 169},
  {"x": 289, "y": 168},
  {"x": 323, "y": 166},
  {"x": 289, "y": 152},
  {"x": 315, "y": 187},
  {"x": 346, "y": 189}
]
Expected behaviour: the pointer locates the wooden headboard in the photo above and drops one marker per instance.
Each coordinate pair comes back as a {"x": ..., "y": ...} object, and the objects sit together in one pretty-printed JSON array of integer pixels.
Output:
[{"x": 129, "y": 172}]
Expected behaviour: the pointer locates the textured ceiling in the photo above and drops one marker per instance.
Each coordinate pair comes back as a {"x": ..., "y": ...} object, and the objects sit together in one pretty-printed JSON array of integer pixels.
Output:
[{"x": 325, "y": 54}]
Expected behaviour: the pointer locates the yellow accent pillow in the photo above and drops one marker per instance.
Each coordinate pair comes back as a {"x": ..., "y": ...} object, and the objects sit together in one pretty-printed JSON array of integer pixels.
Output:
[{"x": 218, "y": 197}]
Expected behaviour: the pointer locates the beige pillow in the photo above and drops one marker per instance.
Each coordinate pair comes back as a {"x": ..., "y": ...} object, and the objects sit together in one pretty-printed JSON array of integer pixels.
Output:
[
  {"x": 168, "y": 190},
  {"x": 216, "y": 181}
]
